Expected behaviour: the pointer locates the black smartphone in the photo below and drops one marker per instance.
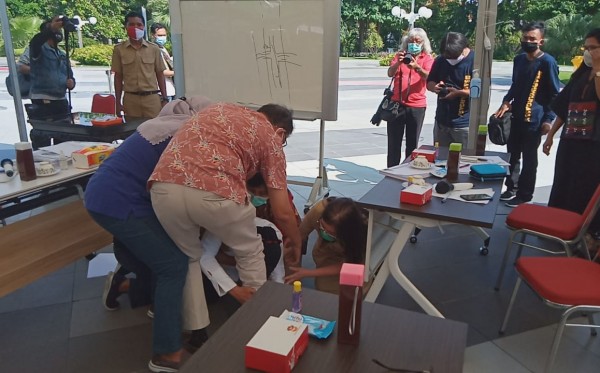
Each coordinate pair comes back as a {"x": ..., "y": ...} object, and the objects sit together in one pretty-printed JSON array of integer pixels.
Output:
[{"x": 475, "y": 197}]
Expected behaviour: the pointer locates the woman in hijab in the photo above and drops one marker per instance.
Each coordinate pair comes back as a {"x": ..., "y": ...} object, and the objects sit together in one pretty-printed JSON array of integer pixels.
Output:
[{"x": 117, "y": 199}]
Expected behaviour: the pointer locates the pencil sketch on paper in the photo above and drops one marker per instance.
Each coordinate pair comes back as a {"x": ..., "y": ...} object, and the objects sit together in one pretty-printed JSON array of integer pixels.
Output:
[{"x": 272, "y": 59}]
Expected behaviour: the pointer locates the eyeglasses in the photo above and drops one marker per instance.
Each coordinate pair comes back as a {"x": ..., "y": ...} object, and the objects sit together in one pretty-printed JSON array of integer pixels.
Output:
[
  {"x": 325, "y": 230},
  {"x": 590, "y": 48}
]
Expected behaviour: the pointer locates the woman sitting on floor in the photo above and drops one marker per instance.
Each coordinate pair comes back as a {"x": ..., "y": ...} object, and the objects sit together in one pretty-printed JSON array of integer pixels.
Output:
[{"x": 342, "y": 230}]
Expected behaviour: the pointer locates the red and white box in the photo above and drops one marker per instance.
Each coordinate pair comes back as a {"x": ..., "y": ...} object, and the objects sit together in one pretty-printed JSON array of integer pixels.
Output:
[
  {"x": 429, "y": 154},
  {"x": 277, "y": 346},
  {"x": 416, "y": 194}
]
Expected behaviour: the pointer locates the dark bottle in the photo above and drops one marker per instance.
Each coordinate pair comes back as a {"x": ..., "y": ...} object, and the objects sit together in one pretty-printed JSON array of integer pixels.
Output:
[
  {"x": 350, "y": 303},
  {"x": 453, "y": 160},
  {"x": 481, "y": 138},
  {"x": 25, "y": 163}
]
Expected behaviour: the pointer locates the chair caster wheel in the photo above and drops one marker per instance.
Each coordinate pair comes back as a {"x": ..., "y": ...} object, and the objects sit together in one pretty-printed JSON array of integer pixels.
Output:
[
  {"x": 413, "y": 239},
  {"x": 483, "y": 251}
]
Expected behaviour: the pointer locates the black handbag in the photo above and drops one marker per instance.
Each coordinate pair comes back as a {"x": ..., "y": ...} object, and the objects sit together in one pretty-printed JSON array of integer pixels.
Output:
[
  {"x": 24, "y": 84},
  {"x": 499, "y": 128},
  {"x": 387, "y": 110}
]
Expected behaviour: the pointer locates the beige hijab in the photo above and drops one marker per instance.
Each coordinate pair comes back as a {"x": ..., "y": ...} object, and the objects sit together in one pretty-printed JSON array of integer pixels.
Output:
[{"x": 171, "y": 117}]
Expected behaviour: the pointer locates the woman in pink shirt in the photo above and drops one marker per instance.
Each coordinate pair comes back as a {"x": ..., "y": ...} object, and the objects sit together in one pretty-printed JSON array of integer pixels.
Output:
[{"x": 410, "y": 68}]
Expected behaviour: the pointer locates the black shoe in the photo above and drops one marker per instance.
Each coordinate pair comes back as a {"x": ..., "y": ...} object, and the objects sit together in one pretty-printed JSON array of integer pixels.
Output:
[
  {"x": 507, "y": 195},
  {"x": 515, "y": 202},
  {"x": 111, "y": 291},
  {"x": 196, "y": 341}
]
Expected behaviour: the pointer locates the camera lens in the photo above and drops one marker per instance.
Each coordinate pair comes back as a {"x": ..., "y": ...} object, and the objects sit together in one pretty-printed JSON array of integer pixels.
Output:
[
  {"x": 443, "y": 92},
  {"x": 407, "y": 58}
]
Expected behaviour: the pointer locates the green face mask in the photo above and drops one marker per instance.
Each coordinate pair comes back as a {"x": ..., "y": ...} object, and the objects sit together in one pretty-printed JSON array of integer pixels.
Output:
[
  {"x": 326, "y": 236},
  {"x": 258, "y": 201}
]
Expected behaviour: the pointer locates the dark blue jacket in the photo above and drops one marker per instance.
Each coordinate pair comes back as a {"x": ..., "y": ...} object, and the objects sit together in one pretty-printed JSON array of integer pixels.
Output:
[
  {"x": 49, "y": 68},
  {"x": 535, "y": 84},
  {"x": 453, "y": 113}
]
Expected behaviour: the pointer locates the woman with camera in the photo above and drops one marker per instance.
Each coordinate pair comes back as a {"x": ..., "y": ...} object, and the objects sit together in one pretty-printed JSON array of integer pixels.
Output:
[{"x": 410, "y": 68}]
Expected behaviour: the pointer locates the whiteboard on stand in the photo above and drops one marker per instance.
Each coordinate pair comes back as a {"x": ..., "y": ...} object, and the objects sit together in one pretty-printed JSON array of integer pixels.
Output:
[{"x": 255, "y": 52}]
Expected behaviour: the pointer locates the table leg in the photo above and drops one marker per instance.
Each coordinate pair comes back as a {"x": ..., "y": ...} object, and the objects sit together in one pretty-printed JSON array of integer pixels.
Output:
[{"x": 391, "y": 266}]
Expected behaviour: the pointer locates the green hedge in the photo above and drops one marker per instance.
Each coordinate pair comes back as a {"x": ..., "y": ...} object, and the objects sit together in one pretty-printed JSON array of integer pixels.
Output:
[
  {"x": 95, "y": 55},
  {"x": 386, "y": 59}
]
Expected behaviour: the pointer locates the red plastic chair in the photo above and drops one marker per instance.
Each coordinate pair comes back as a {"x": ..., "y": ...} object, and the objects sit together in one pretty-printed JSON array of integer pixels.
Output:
[
  {"x": 566, "y": 227},
  {"x": 561, "y": 282},
  {"x": 104, "y": 104}
]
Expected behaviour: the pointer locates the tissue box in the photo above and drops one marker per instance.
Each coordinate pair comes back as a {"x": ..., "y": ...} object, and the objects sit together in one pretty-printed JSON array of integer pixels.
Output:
[
  {"x": 277, "y": 346},
  {"x": 430, "y": 154},
  {"x": 416, "y": 194},
  {"x": 91, "y": 156}
]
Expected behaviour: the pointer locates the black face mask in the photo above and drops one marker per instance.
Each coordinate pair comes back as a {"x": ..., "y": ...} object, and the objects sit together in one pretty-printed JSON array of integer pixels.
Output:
[{"x": 529, "y": 47}]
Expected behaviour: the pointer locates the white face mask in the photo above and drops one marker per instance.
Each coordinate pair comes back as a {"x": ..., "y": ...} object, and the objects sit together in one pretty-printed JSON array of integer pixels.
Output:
[
  {"x": 139, "y": 34},
  {"x": 455, "y": 61},
  {"x": 587, "y": 58}
]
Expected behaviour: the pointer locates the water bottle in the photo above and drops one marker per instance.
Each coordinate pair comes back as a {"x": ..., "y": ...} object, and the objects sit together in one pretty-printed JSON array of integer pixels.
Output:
[
  {"x": 350, "y": 303},
  {"x": 453, "y": 160}
]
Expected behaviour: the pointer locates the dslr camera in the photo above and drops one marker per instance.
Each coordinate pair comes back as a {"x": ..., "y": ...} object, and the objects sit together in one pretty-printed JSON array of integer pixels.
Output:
[
  {"x": 444, "y": 91},
  {"x": 407, "y": 58},
  {"x": 70, "y": 24}
]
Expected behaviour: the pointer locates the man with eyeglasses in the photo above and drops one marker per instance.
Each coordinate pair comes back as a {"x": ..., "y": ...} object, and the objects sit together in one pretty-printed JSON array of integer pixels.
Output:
[
  {"x": 535, "y": 84},
  {"x": 200, "y": 181}
]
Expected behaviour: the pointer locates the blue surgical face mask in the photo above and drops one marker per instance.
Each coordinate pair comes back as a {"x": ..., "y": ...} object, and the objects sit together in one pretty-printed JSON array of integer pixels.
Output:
[
  {"x": 161, "y": 40},
  {"x": 414, "y": 48},
  {"x": 258, "y": 201}
]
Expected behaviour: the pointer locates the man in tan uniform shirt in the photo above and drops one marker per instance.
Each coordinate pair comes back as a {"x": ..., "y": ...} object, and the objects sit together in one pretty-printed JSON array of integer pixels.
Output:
[{"x": 138, "y": 68}]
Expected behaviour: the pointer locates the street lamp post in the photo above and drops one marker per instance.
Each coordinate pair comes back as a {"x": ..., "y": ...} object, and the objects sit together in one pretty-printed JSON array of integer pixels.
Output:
[
  {"x": 412, "y": 16},
  {"x": 82, "y": 22}
]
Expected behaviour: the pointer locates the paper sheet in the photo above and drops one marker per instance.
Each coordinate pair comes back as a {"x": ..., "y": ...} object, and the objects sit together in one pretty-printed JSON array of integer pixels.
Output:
[
  {"x": 492, "y": 159},
  {"x": 455, "y": 194},
  {"x": 403, "y": 171},
  {"x": 101, "y": 265},
  {"x": 69, "y": 147}
]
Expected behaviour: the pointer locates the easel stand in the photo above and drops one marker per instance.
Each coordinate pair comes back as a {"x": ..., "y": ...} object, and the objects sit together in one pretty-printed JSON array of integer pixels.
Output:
[{"x": 320, "y": 187}]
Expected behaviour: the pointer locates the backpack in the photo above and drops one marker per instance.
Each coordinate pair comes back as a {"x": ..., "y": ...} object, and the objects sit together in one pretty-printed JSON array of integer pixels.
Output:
[
  {"x": 24, "y": 84},
  {"x": 487, "y": 172},
  {"x": 499, "y": 128}
]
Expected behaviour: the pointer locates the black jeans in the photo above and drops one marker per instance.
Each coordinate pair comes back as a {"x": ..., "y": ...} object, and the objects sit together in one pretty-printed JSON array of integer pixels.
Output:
[
  {"x": 524, "y": 143},
  {"x": 412, "y": 119}
]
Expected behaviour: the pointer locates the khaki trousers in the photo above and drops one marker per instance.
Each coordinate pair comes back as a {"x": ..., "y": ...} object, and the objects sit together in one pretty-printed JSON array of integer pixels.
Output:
[
  {"x": 182, "y": 211},
  {"x": 141, "y": 106}
]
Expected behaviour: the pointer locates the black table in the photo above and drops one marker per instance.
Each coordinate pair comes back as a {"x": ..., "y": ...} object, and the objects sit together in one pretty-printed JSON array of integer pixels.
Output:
[
  {"x": 64, "y": 130},
  {"x": 400, "y": 221},
  {"x": 395, "y": 337}
]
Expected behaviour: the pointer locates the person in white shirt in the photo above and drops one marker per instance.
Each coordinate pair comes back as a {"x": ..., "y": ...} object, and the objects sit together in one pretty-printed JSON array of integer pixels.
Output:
[
  {"x": 159, "y": 35},
  {"x": 224, "y": 277}
]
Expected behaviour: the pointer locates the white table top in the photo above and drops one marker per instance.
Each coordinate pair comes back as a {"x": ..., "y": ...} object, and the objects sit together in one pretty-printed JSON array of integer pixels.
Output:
[{"x": 15, "y": 187}]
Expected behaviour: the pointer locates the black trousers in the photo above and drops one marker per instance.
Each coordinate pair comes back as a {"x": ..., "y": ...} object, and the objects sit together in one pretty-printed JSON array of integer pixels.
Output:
[
  {"x": 522, "y": 143},
  {"x": 411, "y": 119}
]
